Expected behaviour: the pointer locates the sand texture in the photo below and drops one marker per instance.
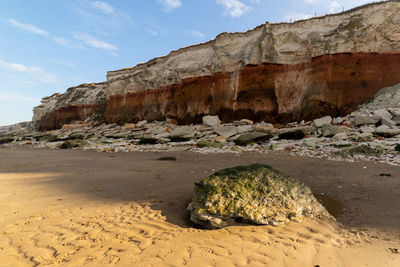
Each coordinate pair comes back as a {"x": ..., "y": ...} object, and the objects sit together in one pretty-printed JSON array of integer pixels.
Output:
[{"x": 78, "y": 208}]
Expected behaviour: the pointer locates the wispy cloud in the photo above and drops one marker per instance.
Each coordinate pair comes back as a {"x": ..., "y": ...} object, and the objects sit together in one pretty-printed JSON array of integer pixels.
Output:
[
  {"x": 38, "y": 31},
  {"x": 103, "y": 7},
  {"x": 170, "y": 5},
  {"x": 333, "y": 6},
  {"x": 27, "y": 27},
  {"x": 34, "y": 72},
  {"x": 79, "y": 41},
  {"x": 234, "y": 8},
  {"x": 198, "y": 34},
  {"x": 153, "y": 32},
  {"x": 64, "y": 63},
  {"x": 7, "y": 96},
  {"x": 93, "y": 41}
]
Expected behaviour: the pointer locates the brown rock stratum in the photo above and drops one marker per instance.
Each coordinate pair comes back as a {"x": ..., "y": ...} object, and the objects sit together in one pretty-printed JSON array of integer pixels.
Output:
[{"x": 275, "y": 72}]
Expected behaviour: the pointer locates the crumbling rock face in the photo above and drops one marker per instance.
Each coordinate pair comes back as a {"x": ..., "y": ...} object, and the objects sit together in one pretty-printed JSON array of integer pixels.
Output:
[{"x": 276, "y": 72}]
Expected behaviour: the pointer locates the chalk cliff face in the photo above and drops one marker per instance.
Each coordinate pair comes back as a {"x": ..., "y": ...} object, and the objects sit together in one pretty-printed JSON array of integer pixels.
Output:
[{"x": 276, "y": 73}]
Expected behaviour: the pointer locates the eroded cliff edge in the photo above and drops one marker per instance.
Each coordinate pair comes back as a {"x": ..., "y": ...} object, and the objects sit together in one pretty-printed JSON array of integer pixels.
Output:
[{"x": 275, "y": 73}]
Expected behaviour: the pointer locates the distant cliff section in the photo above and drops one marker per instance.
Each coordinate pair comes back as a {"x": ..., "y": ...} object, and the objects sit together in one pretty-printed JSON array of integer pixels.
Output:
[{"x": 275, "y": 73}]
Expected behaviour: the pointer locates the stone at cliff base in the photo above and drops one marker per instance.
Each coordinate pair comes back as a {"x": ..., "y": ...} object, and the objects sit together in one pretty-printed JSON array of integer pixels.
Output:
[
  {"x": 182, "y": 134},
  {"x": 226, "y": 131},
  {"x": 252, "y": 137},
  {"x": 364, "y": 120},
  {"x": 71, "y": 144},
  {"x": 322, "y": 121},
  {"x": 292, "y": 135},
  {"x": 5, "y": 140},
  {"x": 256, "y": 194},
  {"x": 397, "y": 148},
  {"x": 211, "y": 121}
]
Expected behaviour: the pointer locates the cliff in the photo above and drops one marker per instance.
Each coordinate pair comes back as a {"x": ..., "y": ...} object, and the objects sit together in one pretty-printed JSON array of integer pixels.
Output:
[{"x": 275, "y": 72}]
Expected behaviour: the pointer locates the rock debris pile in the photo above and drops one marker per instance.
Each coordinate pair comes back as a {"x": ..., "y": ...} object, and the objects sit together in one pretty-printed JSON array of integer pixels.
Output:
[{"x": 372, "y": 132}]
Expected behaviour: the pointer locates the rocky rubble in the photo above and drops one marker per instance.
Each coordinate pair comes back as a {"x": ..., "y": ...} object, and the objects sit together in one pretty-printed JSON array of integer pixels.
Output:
[{"x": 362, "y": 135}]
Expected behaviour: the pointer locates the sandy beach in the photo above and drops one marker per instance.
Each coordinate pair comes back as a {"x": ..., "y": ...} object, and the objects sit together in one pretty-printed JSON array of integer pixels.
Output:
[{"x": 86, "y": 208}]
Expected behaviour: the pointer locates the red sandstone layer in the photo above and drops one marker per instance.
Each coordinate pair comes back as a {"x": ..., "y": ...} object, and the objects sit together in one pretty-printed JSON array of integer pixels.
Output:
[
  {"x": 327, "y": 85},
  {"x": 64, "y": 115}
]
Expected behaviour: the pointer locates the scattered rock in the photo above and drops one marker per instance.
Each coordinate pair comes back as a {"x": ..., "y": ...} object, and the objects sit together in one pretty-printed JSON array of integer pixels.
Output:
[
  {"x": 141, "y": 123},
  {"x": 365, "y": 150},
  {"x": 337, "y": 121},
  {"x": 220, "y": 139},
  {"x": 203, "y": 143},
  {"x": 397, "y": 148},
  {"x": 388, "y": 122},
  {"x": 256, "y": 194},
  {"x": 367, "y": 129},
  {"x": 365, "y": 137},
  {"x": 365, "y": 119},
  {"x": 383, "y": 114},
  {"x": 387, "y": 132},
  {"x": 182, "y": 134},
  {"x": 71, "y": 144},
  {"x": 322, "y": 121},
  {"x": 211, "y": 121},
  {"x": 328, "y": 130},
  {"x": 244, "y": 128},
  {"x": 340, "y": 137},
  {"x": 226, "y": 131},
  {"x": 252, "y": 137},
  {"x": 5, "y": 140},
  {"x": 148, "y": 140}
]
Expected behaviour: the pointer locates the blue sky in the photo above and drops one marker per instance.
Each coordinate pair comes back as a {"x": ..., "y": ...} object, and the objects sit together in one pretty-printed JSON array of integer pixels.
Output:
[{"x": 47, "y": 46}]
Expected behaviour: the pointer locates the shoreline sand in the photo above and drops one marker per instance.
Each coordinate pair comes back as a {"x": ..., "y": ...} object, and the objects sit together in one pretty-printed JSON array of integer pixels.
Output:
[{"x": 82, "y": 207}]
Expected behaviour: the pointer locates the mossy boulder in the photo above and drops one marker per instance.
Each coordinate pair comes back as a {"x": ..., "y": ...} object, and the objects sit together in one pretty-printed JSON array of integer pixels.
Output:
[{"x": 256, "y": 194}]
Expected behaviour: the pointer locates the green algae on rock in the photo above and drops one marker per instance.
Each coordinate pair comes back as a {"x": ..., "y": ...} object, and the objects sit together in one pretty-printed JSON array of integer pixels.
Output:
[{"x": 255, "y": 194}]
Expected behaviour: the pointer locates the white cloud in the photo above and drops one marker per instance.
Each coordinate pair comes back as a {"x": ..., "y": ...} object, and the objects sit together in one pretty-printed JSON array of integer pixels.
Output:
[
  {"x": 170, "y": 5},
  {"x": 7, "y": 96},
  {"x": 27, "y": 27},
  {"x": 36, "y": 30},
  {"x": 313, "y": 2},
  {"x": 93, "y": 41},
  {"x": 34, "y": 72},
  {"x": 153, "y": 32},
  {"x": 198, "y": 34},
  {"x": 234, "y": 8},
  {"x": 334, "y": 7},
  {"x": 298, "y": 16},
  {"x": 103, "y": 7}
]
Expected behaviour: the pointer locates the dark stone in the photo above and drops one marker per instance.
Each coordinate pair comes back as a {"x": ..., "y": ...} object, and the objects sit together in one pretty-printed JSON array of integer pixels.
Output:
[
  {"x": 292, "y": 135},
  {"x": 167, "y": 159},
  {"x": 252, "y": 137},
  {"x": 5, "y": 140}
]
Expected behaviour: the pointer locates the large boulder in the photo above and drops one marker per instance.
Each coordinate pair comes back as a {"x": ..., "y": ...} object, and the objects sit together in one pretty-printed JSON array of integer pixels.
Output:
[{"x": 256, "y": 194}]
